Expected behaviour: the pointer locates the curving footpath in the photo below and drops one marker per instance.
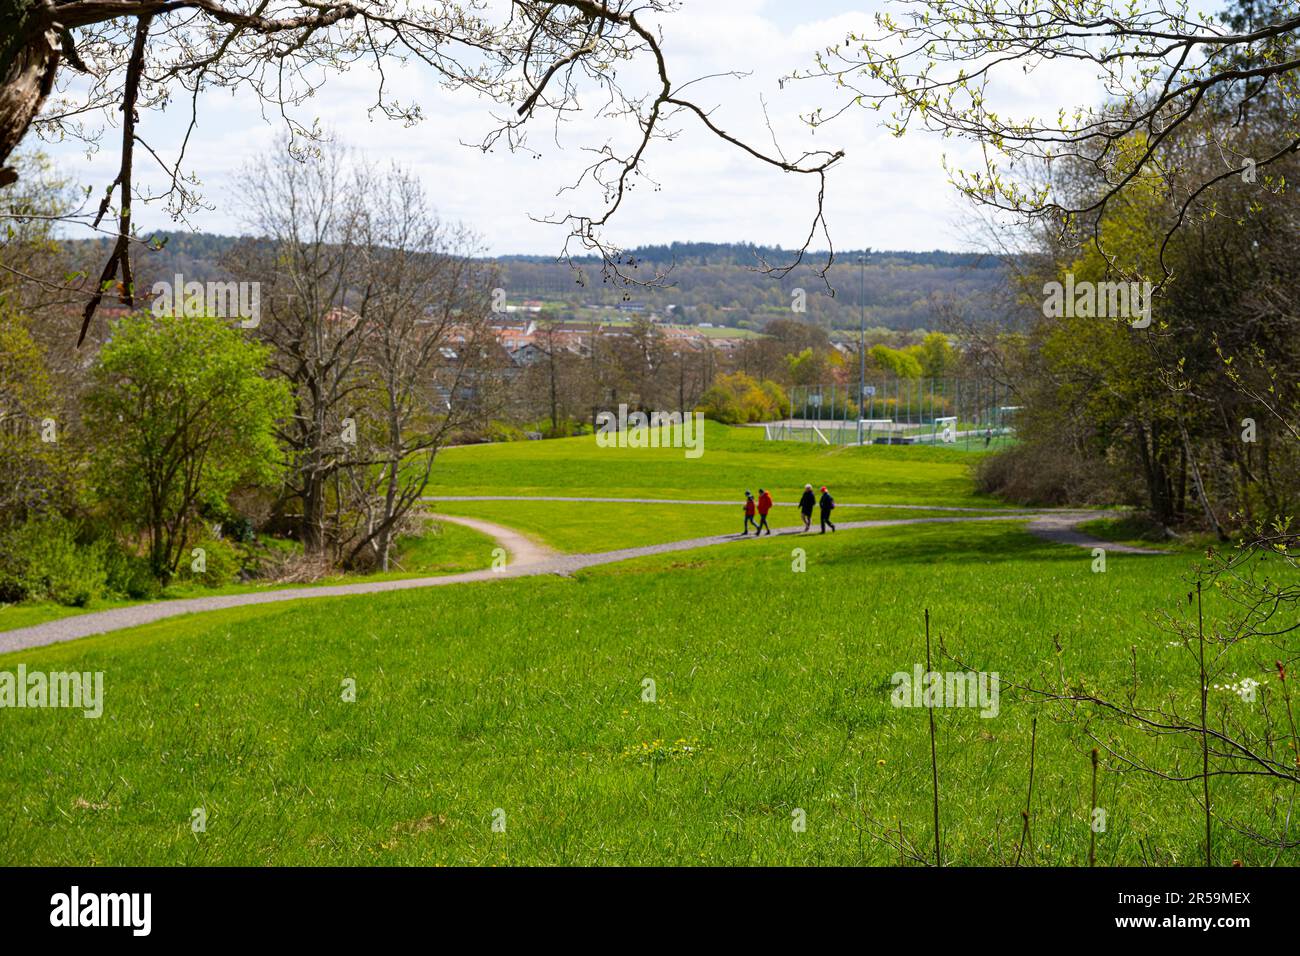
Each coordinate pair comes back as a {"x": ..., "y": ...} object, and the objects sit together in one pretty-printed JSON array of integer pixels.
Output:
[
  {"x": 734, "y": 503},
  {"x": 529, "y": 559}
]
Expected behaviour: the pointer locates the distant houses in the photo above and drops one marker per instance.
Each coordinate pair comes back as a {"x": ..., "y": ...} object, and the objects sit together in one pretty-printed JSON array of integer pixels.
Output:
[{"x": 527, "y": 342}]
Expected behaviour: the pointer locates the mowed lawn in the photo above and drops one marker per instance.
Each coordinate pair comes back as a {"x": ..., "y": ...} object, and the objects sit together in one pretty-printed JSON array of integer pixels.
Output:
[
  {"x": 522, "y": 701},
  {"x": 582, "y": 526},
  {"x": 733, "y": 460}
]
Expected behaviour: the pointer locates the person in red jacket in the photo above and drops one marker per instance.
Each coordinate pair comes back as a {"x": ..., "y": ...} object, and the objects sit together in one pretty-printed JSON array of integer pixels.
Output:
[
  {"x": 764, "y": 506},
  {"x": 749, "y": 515}
]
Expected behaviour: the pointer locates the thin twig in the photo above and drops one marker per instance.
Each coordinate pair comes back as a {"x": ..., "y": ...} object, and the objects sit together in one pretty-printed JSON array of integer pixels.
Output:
[{"x": 934, "y": 754}]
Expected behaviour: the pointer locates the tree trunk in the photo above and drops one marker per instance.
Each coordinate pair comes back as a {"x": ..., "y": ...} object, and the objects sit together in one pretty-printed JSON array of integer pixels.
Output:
[
  {"x": 29, "y": 60},
  {"x": 1180, "y": 501},
  {"x": 385, "y": 543},
  {"x": 1200, "y": 486},
  {"x": 390, "y": 507},
  {"x": 314, "y": 478},
  {"x": 555, "y": 407},
  {"x": 1155, "y": 473},
  {"x": 313, "y": 517}
]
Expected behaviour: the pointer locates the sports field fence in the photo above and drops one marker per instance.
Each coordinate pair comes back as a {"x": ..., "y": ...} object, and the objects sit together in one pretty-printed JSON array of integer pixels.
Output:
[{"x": 965, "y": 413}]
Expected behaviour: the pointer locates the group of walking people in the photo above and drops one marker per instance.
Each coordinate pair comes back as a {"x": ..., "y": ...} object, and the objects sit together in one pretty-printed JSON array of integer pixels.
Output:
[{"x": 763, "y": 504}]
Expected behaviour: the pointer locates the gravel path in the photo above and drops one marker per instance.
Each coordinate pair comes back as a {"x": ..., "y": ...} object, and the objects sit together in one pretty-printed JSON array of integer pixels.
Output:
[
  {"x": 525, "y": 554},
  {"x": 737, "y": 503},
  {"x": 530, "y": 559},
  {"x": 1060, "y": 528},
  {"x": 524, "y": 551}
]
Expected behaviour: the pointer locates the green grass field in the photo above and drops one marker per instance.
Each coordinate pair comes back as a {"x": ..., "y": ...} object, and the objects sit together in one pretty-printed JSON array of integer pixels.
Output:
[
  {"x": 524, "y": 700},
  {"x": 573, "y": 526},
  {"x": 733, "y": 460}
]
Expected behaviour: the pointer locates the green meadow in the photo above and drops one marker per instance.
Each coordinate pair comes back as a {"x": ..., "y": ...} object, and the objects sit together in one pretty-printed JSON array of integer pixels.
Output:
[
  {"x": 728, "y": 705},
  {"x": 582, "y": 526},
  {"x": 734, "y": 460}
]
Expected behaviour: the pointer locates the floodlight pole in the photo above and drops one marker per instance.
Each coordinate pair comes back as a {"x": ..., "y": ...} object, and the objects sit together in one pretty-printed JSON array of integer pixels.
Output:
[{"x": 862, "y": 339}]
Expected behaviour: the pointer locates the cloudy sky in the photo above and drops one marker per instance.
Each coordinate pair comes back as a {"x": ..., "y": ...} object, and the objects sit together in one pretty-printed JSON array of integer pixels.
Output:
[{"x": 887, "y": 193}]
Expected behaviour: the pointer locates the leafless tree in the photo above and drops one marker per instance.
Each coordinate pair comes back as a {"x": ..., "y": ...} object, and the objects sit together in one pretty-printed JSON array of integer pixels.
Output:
[
  {"x": 310, "y": 221},
  {"x": 375, "y": 310},
  {"x": 428, "y": 354},
  {"x": 639, "y": 354},
  {"x": 554, "y": 369}
]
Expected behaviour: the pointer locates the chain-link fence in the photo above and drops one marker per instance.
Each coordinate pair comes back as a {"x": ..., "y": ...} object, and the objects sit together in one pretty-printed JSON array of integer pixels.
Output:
[{"x": 967, "y": 413}]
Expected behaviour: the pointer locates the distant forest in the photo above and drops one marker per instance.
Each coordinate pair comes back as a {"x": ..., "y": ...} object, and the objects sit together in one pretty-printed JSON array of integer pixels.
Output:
[{"x": 721, "y": 284}]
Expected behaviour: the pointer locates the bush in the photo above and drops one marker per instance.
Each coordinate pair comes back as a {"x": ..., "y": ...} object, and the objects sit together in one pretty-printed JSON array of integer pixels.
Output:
[
  {"x": 1033, "y": 474},
  {"x": 738, "y": 398},
  {"x": 240, "y": 528},
  {"x": 776, "y": 398},
  {"x": 222, "y": 563},
  {"x": 268, "y": 558},
  {"x": 502, "y": 431},
  {"x": 12, "y": 590},
  {"x": 43, "y": 560},
  {"x": 229, "y": 523},
  {"x": 566, "y": 428},
  {"x": 720, "y": 405},
  {"x": 128, "y": 575}
]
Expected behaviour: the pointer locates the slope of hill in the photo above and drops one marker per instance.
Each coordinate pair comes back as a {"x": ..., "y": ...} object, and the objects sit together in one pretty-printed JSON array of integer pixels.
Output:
[{"x": 706, "y": 283}]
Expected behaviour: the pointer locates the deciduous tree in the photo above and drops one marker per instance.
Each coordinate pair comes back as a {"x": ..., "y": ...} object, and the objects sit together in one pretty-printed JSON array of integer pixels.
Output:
[{"x": 182, "y": 413}]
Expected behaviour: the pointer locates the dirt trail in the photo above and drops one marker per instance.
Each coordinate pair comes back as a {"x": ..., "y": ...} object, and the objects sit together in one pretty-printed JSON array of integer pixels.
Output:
[
  {"x": 528, "y": 558},
  {"x": 524, "y": 551}
]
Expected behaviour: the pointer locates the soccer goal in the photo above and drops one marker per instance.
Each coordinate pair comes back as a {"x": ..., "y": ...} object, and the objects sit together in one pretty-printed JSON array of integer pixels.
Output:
[
  {"x": 868, "y": 426},
  {"x": 945, "y": 430}
]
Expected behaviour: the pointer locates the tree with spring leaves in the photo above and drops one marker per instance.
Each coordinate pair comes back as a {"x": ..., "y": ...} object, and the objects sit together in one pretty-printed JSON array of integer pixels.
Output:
[{"x": 183, "y": 415}]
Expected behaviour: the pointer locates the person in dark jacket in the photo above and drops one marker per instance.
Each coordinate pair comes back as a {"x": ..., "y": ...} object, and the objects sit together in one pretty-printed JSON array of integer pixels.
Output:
[
  {"x": 749, "y": 515},
  {"x": 764, "y": 506},
  {"x": 827, "y": 504},
  {"x": 806, "y": 505}
]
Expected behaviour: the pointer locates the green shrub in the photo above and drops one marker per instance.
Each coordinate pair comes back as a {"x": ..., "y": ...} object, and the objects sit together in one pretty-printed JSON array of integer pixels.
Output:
[
  {"x": 227, "y": 522},
  {"x": 128, "y": 575},
  {"x": 502, "y": 431},
  {"x": 12, "y": 589},
  {"x": 221, "y": 563},
  {"x": 720, "y": 405},
  {"x": 43, "y": 560},
  {"x": 239, "y": 528},
  {"x": 565, "y": 428}
]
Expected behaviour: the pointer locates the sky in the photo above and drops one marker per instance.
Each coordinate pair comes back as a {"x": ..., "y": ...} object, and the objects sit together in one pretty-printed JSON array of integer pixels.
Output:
[{"x": 887, "y": 193}]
